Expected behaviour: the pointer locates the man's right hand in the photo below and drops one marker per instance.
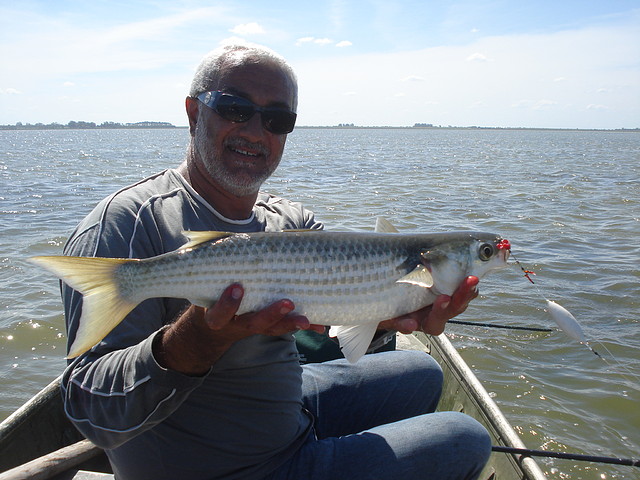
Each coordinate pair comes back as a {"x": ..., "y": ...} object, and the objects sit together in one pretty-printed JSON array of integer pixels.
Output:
[{"x": 194, "y": 342}]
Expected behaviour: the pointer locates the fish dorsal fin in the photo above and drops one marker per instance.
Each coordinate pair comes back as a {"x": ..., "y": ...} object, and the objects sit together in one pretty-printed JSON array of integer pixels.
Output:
[
  {"x": 196, "y": 238},
  {"x": 420, "y": 276},
  {"x": 384, "y": 226}
]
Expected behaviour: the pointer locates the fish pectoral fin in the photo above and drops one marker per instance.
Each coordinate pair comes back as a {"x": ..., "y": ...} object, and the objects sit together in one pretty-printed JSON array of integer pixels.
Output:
[
  {"x": 420, "y": 276},
  {"x": 384, "y": 226},
  {"x": 354, "y": 339},
  {"x": 196, "y": 238}
]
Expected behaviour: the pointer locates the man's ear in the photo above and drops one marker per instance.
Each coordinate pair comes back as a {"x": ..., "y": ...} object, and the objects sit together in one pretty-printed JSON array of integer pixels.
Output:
[{"x": 192, "y": 112}]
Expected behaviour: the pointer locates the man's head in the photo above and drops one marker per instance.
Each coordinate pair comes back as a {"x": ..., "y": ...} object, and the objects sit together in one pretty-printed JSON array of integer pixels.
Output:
[{"x": 239, "y": 150}]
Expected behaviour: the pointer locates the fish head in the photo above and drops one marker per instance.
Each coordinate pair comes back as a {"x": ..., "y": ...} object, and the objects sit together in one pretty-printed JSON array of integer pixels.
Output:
[{"x": 464, "y": 254}]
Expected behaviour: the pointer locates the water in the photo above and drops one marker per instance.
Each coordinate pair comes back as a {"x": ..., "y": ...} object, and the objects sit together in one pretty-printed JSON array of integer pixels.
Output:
[{"x": 568, "y": 201}]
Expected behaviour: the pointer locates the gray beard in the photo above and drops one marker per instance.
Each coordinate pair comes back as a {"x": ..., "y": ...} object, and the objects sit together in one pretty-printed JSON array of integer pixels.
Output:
[{"x": 235, "y": 182}]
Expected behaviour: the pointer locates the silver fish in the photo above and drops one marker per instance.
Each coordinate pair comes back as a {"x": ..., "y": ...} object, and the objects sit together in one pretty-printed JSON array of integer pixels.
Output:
[{"x": 346, "y": 279}]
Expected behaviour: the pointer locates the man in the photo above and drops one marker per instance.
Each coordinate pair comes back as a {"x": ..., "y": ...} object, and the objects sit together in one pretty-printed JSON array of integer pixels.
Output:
[{"x": 181, "y": 392}]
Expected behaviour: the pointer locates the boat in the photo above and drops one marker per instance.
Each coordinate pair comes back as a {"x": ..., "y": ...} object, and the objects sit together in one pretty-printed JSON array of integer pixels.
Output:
[{"x": 38, "y": 442}]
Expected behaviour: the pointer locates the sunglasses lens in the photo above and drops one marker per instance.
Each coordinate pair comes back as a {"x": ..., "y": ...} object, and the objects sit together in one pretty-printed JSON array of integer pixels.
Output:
[
  {"x": 278, "y": 121},
  {"x": 235, "y": 109}
]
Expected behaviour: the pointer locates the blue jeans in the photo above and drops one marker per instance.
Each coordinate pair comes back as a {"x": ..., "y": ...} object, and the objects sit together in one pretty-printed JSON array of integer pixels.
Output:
[{"x": 375, "y": 420}]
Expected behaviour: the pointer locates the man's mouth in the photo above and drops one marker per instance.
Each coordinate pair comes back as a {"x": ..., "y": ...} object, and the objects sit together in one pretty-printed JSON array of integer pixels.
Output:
[
  {"x": 248, "y": 149},
  {"x": 242, "y": 151}
]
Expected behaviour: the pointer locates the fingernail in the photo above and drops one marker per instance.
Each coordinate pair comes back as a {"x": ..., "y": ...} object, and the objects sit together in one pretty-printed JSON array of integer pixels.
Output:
[
  {"x": 408, "y": 324},
  {"x": 303, "y": 325},
  {"x": 285, "y": 309},
  {"x": 236, "y": 293},
  {"x": 444, "y": 305}
]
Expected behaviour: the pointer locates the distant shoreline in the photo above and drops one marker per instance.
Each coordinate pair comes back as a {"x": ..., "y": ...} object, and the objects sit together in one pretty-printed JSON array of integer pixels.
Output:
[
  {"x": 353, "y": 127},
  {"x": 87, "y": 126},
  {"x": 166, "y": 125}
]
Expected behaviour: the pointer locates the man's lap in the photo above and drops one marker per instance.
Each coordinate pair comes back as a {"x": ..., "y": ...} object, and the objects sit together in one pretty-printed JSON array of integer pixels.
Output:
[{"x": 374, "y": 420}]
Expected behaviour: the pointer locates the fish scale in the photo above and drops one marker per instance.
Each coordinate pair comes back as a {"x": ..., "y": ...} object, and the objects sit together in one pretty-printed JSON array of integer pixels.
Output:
[{"x": 354, "y": 280}]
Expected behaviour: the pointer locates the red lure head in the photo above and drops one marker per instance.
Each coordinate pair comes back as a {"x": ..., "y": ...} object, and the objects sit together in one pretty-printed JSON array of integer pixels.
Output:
[{"x": 503, "y": 245}]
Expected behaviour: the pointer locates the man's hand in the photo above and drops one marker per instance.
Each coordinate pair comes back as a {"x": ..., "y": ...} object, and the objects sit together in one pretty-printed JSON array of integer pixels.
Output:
[
  {"x": 194, "y": 342},
  {"x": 432, "y": 319}
]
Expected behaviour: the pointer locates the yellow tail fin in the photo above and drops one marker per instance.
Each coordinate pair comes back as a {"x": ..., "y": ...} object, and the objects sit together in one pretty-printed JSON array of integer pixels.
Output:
[{"x": 102, "y": 305}]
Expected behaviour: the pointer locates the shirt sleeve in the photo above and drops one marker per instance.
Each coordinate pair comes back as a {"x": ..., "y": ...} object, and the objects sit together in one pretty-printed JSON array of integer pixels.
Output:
[{"x": 117, "y": 389}]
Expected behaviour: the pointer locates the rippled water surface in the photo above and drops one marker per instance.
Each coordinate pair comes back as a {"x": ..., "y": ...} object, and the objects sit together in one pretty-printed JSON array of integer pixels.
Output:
[{"x": 568, "y": 201}]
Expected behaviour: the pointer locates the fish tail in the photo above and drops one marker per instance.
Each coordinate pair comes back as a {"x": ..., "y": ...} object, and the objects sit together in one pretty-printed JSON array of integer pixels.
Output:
[{"x": 103, "y": 307}]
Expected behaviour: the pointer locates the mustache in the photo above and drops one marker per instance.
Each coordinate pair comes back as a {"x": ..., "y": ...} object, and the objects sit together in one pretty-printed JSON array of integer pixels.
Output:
[{"x": 244, "y": 144}]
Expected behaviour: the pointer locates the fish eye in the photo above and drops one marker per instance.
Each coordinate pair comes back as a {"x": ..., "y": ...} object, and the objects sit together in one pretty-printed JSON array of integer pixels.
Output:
[{"x": 486, "y": 251}]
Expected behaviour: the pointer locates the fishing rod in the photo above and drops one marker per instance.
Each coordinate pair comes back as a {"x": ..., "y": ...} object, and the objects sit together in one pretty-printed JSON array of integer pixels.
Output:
[
  {"x": 493, "y": 325},
  {"x": 567, "y": 456}
]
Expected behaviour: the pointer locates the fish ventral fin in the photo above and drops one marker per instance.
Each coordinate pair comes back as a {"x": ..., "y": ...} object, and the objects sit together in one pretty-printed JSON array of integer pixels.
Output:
[
  {"x": 420, "y": 276},
  {"x": 384, "y": 226},
  {"x": 198, "y": 237},
  {"x": 103, "y": 307},
  {"x": 354, "y": 339}
]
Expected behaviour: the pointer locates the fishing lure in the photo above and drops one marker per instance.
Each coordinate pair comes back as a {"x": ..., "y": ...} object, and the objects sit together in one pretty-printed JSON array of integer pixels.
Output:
[
  {"x": 563, "y": 317},
  {"x": 565, "y": 320}
]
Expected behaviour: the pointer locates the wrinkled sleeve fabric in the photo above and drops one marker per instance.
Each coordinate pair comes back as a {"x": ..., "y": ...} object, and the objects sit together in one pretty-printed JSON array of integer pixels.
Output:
[{"x": 117, "y": 390}]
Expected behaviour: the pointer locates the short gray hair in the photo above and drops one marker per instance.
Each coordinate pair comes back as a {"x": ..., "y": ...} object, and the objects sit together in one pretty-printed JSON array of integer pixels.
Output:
[{"x": 236, "y": 54}]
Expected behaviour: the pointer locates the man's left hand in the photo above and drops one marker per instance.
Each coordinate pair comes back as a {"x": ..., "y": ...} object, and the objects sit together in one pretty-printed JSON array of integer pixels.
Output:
[{"x": 432, "y": 319}]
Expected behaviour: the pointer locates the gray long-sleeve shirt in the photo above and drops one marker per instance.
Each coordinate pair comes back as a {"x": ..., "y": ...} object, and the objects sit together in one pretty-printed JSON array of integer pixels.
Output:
[{"x": 240, "y": 420}]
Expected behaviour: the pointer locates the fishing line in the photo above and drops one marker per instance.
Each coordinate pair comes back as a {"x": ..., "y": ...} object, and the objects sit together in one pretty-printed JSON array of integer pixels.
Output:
[
  {"x": 566, "y": 321},
  {"x": 568, "y": 456},
  {"x": 507, "y": 327}
]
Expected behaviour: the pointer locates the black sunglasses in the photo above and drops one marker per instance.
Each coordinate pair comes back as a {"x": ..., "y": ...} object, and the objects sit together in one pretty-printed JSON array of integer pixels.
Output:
[{"x": 239, "y": 110}]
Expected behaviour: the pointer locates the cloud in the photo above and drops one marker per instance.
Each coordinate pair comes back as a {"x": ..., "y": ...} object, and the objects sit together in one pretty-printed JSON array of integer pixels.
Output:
[
  {"x": 314, "y": 40},
  {"x": 593, "y": 106},
  {"x": 251, "y": 28},
  {"x": 10, "y": 91},
  {"x": 344, "y": 43},
  {"x": 413, "y": 78},
  {"x": 477, "y": 57},
  {"x": 534, "y": 104},
  {"x": 150, "y": 29},
  {"x": 478, "y": 104},
  {"x": 68, "y": 84},
  {"x": 544, "y": 104}
]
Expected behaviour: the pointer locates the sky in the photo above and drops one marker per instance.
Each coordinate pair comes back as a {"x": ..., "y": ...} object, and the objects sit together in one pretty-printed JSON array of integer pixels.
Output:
[{"x": 490, "y": 63}]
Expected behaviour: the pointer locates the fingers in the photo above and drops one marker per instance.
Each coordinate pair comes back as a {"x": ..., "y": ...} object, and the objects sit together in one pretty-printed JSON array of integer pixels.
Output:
[
  {"x": 223, "y": 311},
  {"x": 466, "y": 291},
  {"x": 445, "y": 308},
  {"x": 276, "y": 319}
]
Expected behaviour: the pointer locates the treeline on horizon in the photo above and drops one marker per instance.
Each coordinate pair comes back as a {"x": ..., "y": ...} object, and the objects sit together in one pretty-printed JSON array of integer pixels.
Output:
[
  {"x": 84, "y": 125},
  {"x": 114, "y": 125}
]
